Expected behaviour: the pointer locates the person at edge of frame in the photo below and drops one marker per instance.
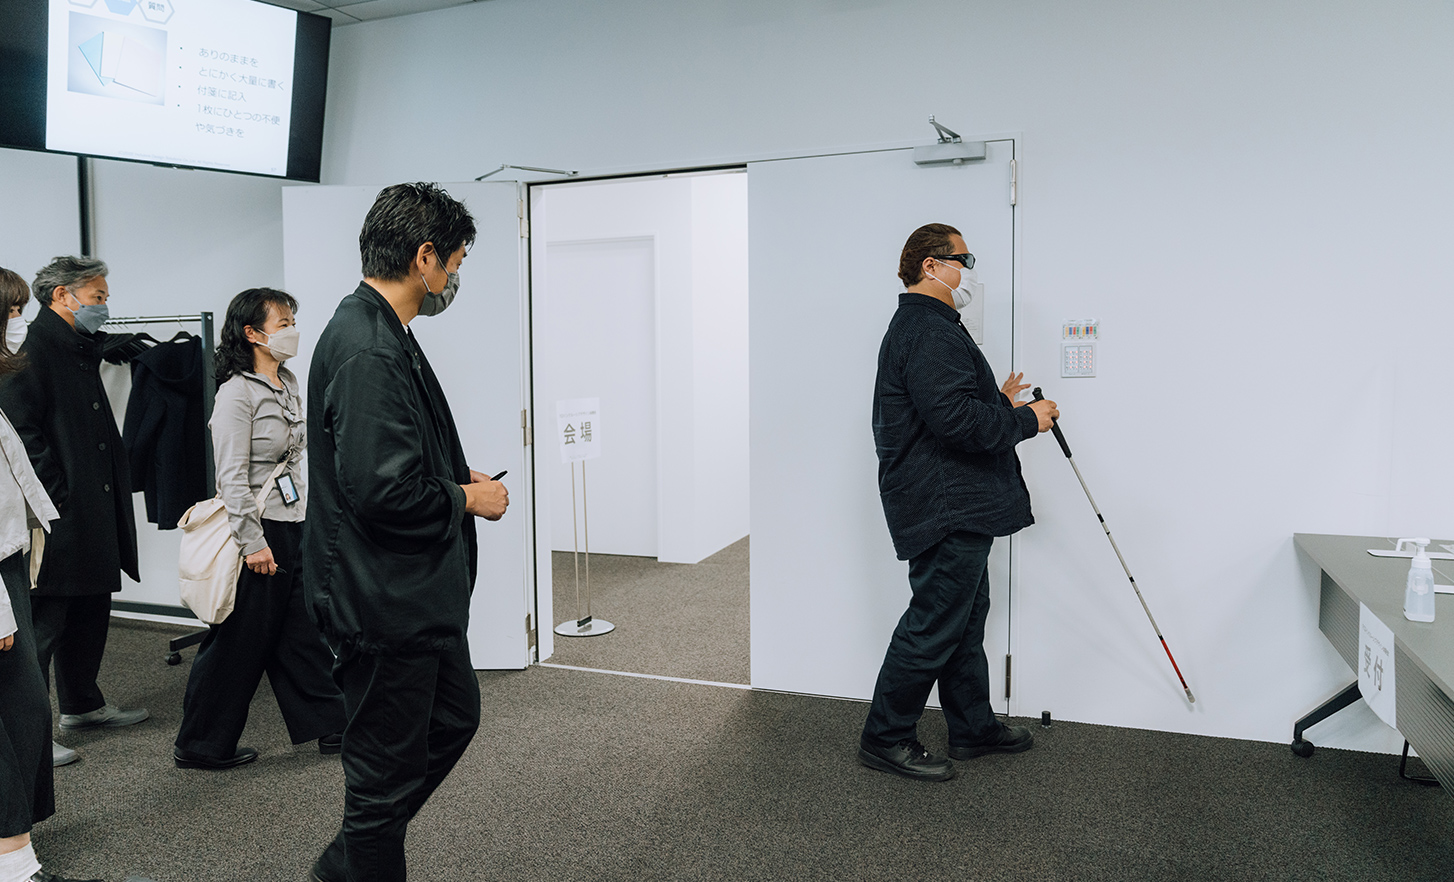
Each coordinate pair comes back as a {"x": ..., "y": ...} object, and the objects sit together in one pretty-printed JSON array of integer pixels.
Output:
[
  {"x": 257, "y": 424},
  {"x": 60, "y": 410},
  {"x": 389, "y": 546},
  {"x": 950, "y": 482}
]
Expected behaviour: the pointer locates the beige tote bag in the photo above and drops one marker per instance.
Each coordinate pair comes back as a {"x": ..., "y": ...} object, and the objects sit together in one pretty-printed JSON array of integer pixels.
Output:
[{"x": 210, "y": 562}]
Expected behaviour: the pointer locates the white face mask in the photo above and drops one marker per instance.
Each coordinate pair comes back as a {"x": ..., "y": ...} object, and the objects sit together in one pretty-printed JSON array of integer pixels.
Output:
[
  {"x": 283, "y": 344},
  {"x": 969, "y": 287},
  {"x": 15, "y": 330}
]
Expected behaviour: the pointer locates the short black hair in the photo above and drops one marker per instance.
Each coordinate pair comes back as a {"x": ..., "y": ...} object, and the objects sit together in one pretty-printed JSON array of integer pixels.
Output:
[{"x": 406, "y": 216}]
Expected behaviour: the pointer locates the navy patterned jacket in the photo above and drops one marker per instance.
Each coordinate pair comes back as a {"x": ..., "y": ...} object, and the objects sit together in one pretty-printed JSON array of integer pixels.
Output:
[{"x": 945, "y": 433}]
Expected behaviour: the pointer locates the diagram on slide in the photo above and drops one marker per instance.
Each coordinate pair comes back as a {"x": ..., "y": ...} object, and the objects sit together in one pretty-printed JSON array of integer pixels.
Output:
[{"x": 115, "y": 59}]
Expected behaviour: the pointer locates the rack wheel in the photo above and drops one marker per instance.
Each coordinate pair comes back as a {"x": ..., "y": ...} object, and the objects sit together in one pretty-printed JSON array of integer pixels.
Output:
[
  {"x": 1303, "y": 749},
  {"x": 175, "y": 658}
]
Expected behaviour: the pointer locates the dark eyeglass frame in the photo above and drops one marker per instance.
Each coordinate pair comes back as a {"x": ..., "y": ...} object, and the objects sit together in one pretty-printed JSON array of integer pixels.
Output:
[{"x": 965, "y": 260}]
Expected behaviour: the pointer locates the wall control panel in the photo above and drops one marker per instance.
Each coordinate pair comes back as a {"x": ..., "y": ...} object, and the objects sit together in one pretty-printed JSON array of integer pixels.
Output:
[{"x": 1078, "y": 348}]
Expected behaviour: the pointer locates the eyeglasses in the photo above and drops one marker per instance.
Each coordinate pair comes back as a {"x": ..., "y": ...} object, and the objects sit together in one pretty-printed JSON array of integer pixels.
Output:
[{"x": 964, "y": 260}]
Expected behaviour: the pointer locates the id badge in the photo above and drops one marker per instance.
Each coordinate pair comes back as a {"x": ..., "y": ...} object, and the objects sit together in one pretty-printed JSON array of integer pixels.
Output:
[{"x": 287, "y": 490}]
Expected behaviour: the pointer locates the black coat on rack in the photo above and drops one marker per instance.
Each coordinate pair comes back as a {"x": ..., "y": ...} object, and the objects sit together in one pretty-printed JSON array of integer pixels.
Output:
[{"x": 166, "y": 425}]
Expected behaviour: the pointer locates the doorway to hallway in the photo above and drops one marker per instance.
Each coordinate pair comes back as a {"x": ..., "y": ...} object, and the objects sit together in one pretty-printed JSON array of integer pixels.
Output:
[{"x": 639, "y": 303}]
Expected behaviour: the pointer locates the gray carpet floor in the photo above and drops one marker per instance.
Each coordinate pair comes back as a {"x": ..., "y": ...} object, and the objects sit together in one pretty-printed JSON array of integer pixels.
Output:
[
  {"x": 585, "y": 776},
  {"x": 672, "y": 620}
]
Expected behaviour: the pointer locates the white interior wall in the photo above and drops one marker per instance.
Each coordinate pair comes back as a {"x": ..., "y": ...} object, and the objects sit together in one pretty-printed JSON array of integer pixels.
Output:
[
  {"x": 719, "y": 363},
  {"x": 697, "y": 227},
  {"x": 41, "y": 211},
  {"x": 599, "y": 341},
  {"x": 1276, "y": 167}
]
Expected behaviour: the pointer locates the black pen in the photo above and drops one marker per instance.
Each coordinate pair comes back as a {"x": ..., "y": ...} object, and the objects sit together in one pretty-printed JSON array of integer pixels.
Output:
[{"x": 501, "y": 475}]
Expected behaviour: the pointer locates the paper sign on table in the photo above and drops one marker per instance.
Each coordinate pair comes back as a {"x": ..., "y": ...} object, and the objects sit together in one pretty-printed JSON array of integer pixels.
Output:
[{"x": 1375, "y": 665}]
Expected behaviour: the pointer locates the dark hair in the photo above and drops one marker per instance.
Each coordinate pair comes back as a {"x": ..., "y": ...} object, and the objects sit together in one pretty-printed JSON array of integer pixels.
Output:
[
  {"x": 930, "y": 240},
  {"x": 248, "y": 309},
  {"x": 13, "y": 292},
  {"x": 406, "y": 216},
  {"x": 67, "y": 272}
]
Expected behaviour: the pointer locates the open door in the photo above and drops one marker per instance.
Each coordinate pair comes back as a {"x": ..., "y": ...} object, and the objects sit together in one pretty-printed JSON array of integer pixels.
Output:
[
  {"x": 476, "y": 348},
  {"x": 825, "y": 234}
]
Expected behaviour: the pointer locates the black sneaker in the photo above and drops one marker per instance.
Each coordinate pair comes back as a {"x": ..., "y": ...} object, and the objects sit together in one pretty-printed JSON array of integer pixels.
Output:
[
  {"x": 907, "y": 758},
  {"x": 1010, "y": 739}
]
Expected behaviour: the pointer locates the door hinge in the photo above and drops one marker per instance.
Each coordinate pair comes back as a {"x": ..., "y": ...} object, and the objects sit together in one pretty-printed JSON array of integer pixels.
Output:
[
  {"x": 1007, "y": 676},
  {"x": 524, "y": 221},
  {"x": 526, "y": 433},
  {"x": 1014, "y": 182}
]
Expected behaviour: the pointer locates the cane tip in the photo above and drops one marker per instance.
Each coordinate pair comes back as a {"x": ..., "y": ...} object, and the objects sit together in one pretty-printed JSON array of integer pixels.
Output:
[{"x": 1191, "y": 698}]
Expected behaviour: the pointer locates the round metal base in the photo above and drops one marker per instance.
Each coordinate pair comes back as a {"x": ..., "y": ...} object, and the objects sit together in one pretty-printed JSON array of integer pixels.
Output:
[{"x": 593, "y": 628}]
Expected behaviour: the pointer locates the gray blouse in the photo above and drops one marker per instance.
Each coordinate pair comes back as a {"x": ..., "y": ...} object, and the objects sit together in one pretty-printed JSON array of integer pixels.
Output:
[{"x": 255, "y": 425}]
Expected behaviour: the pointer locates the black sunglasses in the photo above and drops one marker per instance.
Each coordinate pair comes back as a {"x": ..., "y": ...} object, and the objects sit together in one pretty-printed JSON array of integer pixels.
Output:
[{"x": 965, "y": 260}]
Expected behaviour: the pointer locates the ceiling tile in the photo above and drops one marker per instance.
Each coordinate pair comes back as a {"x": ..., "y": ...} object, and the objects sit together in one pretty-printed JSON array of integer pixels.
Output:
[
  {"x": 300, "y": 5},
  {"x": 370, "y": 10}
]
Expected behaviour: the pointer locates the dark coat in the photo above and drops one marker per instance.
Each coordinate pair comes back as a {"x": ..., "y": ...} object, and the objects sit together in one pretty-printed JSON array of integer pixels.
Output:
[
  {"x": 165, "y": 430},
  {"x": 945, "y": 433},
  {"x": 389, "y": 554},
  {"x": 59, "y": 408}
]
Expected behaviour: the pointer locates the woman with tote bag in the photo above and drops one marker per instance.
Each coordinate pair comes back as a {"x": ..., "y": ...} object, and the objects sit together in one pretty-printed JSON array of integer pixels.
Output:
[{"x": 258, "y": 438}]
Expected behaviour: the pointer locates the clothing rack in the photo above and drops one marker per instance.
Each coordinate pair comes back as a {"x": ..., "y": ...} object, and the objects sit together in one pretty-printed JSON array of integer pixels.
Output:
[
  {"x": 209, "y": 394},
  {"x": 209, "y": 391}
]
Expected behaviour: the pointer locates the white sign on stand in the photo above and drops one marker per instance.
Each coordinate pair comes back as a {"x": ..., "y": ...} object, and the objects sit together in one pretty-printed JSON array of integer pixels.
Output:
[
  {"x": 578, "y": 428},
  {"x": 1375, "y": 665}
]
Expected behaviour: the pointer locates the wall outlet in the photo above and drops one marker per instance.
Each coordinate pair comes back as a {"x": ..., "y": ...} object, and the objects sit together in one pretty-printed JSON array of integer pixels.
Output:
[{"x": 1078, "y": 359}]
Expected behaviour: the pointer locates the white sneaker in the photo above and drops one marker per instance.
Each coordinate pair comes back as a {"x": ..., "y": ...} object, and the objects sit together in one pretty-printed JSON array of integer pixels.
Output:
[
  {"x": 108, "y": 715},
  {"x": 60, "y": 755}
]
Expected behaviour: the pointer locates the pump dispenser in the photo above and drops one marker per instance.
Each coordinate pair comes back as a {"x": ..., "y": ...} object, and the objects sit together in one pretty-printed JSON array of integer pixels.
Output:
[{"x": 1419, "y": 594}]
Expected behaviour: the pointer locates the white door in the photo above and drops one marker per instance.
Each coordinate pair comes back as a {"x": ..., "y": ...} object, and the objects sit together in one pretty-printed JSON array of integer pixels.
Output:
[
  {"x": 476, "y": 348},
  {"x": 825, "y": 235}
]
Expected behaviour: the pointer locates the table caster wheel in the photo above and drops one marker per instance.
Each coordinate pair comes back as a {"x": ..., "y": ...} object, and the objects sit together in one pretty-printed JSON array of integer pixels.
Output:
[
  {"x": 1303, "y": 748},
  {"x": 174, "y": 659}
]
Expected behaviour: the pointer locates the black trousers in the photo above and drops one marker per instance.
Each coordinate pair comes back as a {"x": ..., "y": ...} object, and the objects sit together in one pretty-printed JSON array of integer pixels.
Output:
[
  {"x": 410, "y": 718},
  {"x": 267, "y": 630},
  {"x": 73, "y": 631},
  {"x": 940, "y": 637},
  {"x": 27, "y": 778}
]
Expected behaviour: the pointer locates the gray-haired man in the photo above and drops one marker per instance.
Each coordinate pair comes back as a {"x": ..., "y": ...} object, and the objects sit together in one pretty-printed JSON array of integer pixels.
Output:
[{"x": 59, "y": 408}]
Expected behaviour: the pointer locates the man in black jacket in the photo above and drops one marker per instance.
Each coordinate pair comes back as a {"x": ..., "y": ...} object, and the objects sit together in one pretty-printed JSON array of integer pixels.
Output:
[
  {"x": 59, "y": 407},
  {"x": 389, "y": 549},
  {"x": 950, "y": 482}
]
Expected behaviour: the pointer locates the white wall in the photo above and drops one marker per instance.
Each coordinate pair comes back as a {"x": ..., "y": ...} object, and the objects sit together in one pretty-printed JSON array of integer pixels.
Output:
[
  {"x": 722, "y": 459},
  {"x": 176, "y": 242},
  {"x": 39, "y": 211},
  {"x": 1279, "y": 167},
  {"x": 690, "y": 488}
]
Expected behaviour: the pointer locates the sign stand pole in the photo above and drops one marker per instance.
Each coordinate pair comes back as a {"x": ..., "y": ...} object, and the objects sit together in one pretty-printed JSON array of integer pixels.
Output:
[{"x": 584, "y": 626}]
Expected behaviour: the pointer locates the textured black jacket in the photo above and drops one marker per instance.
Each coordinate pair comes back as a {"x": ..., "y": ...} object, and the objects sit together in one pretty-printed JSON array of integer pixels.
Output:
[
  {"x": 389, "y": 554},
  {"x": 164, "y": 430},
  {"x": 945, "y": 433},
  {"x": 59, "y": 408}
]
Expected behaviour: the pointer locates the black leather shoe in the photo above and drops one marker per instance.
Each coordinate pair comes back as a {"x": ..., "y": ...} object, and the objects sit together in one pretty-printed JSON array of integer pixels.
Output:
[
  {"x": 329, "y": 744},
  {"x": 43, "y": 876},
  {"x": 907, "y": 758},
  {"x": 1011, "y": 739},
  {"x": 187, "y": 760}
]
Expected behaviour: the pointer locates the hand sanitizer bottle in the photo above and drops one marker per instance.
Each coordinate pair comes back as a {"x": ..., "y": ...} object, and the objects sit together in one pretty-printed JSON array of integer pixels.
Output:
[{"x": 1419, "y": 595}]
